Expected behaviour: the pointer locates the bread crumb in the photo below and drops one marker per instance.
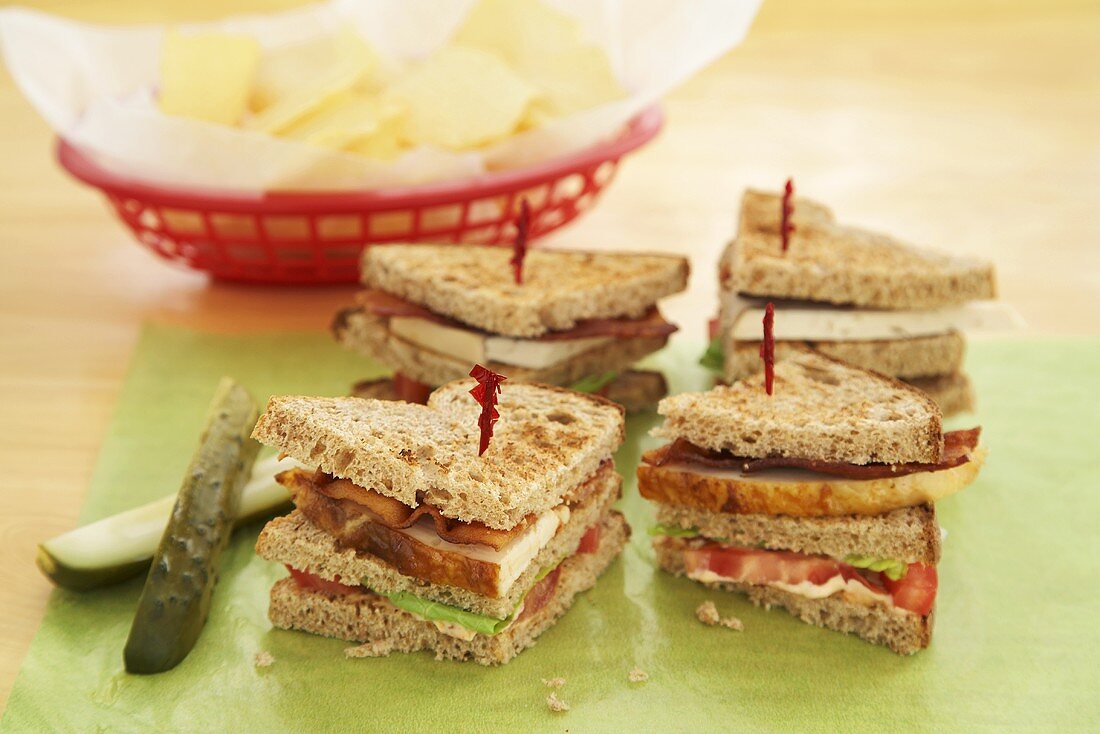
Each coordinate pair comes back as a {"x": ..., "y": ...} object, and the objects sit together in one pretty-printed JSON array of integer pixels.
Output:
[
  {"x": 555, "y": 704},
  {"x": 553, "y": 682},
  {"x": 707, "y": 613},
  {"x": 263, "y": 659},
  {"x": 637, "y": 675},
  {"x": 377, "y": 649}
]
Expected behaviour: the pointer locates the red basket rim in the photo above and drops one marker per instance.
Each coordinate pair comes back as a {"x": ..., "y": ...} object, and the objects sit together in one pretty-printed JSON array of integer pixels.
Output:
[{"x": 640, "y": 130}]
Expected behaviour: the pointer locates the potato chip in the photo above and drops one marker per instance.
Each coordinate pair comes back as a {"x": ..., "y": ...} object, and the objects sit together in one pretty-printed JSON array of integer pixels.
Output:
[
  {"x": 546, "y": 47},
  {"x": 462, "y": 98},
  {"x": 342, "y": 119},
  {"x": 385, "y": 143},
  {"x": 293, "y": 82},
  {"x": 207, "y": 76}
]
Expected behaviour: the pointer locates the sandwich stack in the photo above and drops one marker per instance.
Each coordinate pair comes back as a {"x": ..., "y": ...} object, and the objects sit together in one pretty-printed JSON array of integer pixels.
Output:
[
  {"x": 817, "y": 498},
  {"x": 860, "y": 296},
  {"x": 406, "y": 538},
  {"x": 566, "y": 318}
]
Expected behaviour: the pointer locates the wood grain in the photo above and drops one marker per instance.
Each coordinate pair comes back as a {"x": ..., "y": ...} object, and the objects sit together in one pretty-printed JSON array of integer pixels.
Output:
[{"x": 974, "y": 130}]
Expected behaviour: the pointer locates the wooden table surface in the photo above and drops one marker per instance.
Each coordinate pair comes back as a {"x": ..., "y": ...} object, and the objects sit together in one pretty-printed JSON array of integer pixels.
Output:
[{"x": 974, "y": 130}]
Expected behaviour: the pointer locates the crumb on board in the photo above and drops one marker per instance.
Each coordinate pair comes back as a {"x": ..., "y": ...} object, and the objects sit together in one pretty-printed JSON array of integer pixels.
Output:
[
  {"x": 553, "y": 682},
  {"x": 637, "y": 675},
  {"x": 376, "y": 649},
  {"x": 555, "y": 704},
  {"x": 263, "y": 659},
  {"x": 707, "y": 613}
]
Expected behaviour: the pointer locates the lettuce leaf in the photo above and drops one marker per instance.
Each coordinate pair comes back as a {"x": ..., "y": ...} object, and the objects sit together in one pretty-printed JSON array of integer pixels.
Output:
[
  {"x": 714, "y": 359},
  {"x": 674, "y": 532},
  {"x": 437, "y": 612},
  {"x": 593, "y": 383},
  {"x": 893, "y": 569}
]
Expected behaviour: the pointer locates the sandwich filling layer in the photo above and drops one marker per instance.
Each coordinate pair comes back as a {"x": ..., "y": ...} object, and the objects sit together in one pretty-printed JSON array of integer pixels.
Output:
[
  {"x": 423, "y": 328},
  {"x": 454, "y": 621},
  {"x": 807, "y": 321},
  {"x": 418, "y": 542},
  {"x": 904, "y": 588}
]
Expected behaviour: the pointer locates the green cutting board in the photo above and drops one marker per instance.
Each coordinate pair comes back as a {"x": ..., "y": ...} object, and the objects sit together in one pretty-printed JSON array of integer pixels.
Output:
[{"x": 1016, "y": 645}]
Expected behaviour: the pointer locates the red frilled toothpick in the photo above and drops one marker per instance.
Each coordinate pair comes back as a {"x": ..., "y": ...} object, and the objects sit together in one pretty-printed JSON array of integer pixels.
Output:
[
  {"x": 767, "y": 347},
  {"x": 786, "y": 225},
  {"x": 519, "y": 247},
  {"x": 485, "y": 393}
]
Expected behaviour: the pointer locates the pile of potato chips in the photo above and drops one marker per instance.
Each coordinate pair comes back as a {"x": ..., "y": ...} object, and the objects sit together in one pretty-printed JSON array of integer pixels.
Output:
[{"x": 511, "y": 66}]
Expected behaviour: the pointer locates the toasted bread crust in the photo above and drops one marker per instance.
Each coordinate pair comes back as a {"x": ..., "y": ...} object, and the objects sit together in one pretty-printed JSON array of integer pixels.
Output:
[
  {"x": 369, "y": 335},
  {"x": 953, "y": 393},
  {"x": 830, "y": 263},
  {"x": 906, "y": 359},
  {"x": 547, "y": 441},
  {"x": 370, "y": 618},
  {"x": 824, "y": 497},
  {"x": 475, "y": 285},
  {"x": 821, "y": 409},
  {"x": 910, "y": 534},
  {"x": 904, "y": 633}
]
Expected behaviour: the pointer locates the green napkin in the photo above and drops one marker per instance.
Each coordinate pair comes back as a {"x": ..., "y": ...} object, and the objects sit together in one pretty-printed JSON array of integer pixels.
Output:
[{"x": 1016, "y": 646}]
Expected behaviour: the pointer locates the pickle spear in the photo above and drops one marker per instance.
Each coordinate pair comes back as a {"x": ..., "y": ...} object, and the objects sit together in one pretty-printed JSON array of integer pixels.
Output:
[{"x": 176, "y": 599}]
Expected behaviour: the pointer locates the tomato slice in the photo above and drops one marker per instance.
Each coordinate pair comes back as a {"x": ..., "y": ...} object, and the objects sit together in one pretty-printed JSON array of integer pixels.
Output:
[
  {"x": 410, "y": 390},
  {"x": 591, "y": 540},
  {"x": 540, "y": 594},
  {"x": 712, "y": 328},
  {"x": 917, "y": 590},
  {"x": 314, "y": 582}
]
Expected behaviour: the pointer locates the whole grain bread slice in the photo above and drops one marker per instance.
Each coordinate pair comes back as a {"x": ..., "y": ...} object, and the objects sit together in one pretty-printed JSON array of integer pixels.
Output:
[
  {"x": 903, "y": 632},
  {"x": 830, "y": 263},
  {"x": 370, "y": 335},
  {"x": 547, "y": 441},
  {"x": 954, "y": 393},
  {"x": 372, "y": 619},
  {"x": 910, "y": 534},
  {"x": 476, "y": 285},
  {"x": 821, "y": 409},
  {"x": 296, "y": 541},
  {"x": 908, "y": 358}
]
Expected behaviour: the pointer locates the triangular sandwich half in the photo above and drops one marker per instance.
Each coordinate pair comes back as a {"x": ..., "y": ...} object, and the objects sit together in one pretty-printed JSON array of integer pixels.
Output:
[
  {"x": 817, "y": 498},
  {"x": 853, "y": 294},
  {"x": 404, "y": 538},
  {"x": 578, "y": 319}
]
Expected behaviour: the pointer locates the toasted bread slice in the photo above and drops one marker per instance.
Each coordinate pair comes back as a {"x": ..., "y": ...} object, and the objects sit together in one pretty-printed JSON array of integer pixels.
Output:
[
  {"x": 910, "y": 534},
  {"x": 369, "y": 618},
  {"x": 369, "y": 335},
  {"x": 475, "y": 285},
  {"x": 902, "y": 632},
  {"x": 821, "y": 409},
  {"x": 829, "y": 263},
  {"x": 907, "y": 359},
  {"x": 953, "y": 392},
  {"x": 547, "y": 441},
  {"x": 800, "y": 493},
  {"x": 296, "y": 541},
  {"x": 635, "y": 390}
]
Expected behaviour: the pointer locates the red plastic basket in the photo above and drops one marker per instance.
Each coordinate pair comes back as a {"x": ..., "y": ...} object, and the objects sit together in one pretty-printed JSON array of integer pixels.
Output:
[{"x": 316, "y": 237}]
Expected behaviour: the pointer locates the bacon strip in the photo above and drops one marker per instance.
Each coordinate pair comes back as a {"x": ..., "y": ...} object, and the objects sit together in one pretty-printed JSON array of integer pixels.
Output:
[
  {"x": 957, "y": 448},
  {"x": 652, "y": 324},
  {"x": 397, "y": 515}
]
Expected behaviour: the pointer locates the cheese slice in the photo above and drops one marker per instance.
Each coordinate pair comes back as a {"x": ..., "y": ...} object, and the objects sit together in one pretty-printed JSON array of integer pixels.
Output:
[
  {"x": 475, "y": 347},
  {"x": 811, "y": 322},
  {"x": 513, "y": 559}
]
